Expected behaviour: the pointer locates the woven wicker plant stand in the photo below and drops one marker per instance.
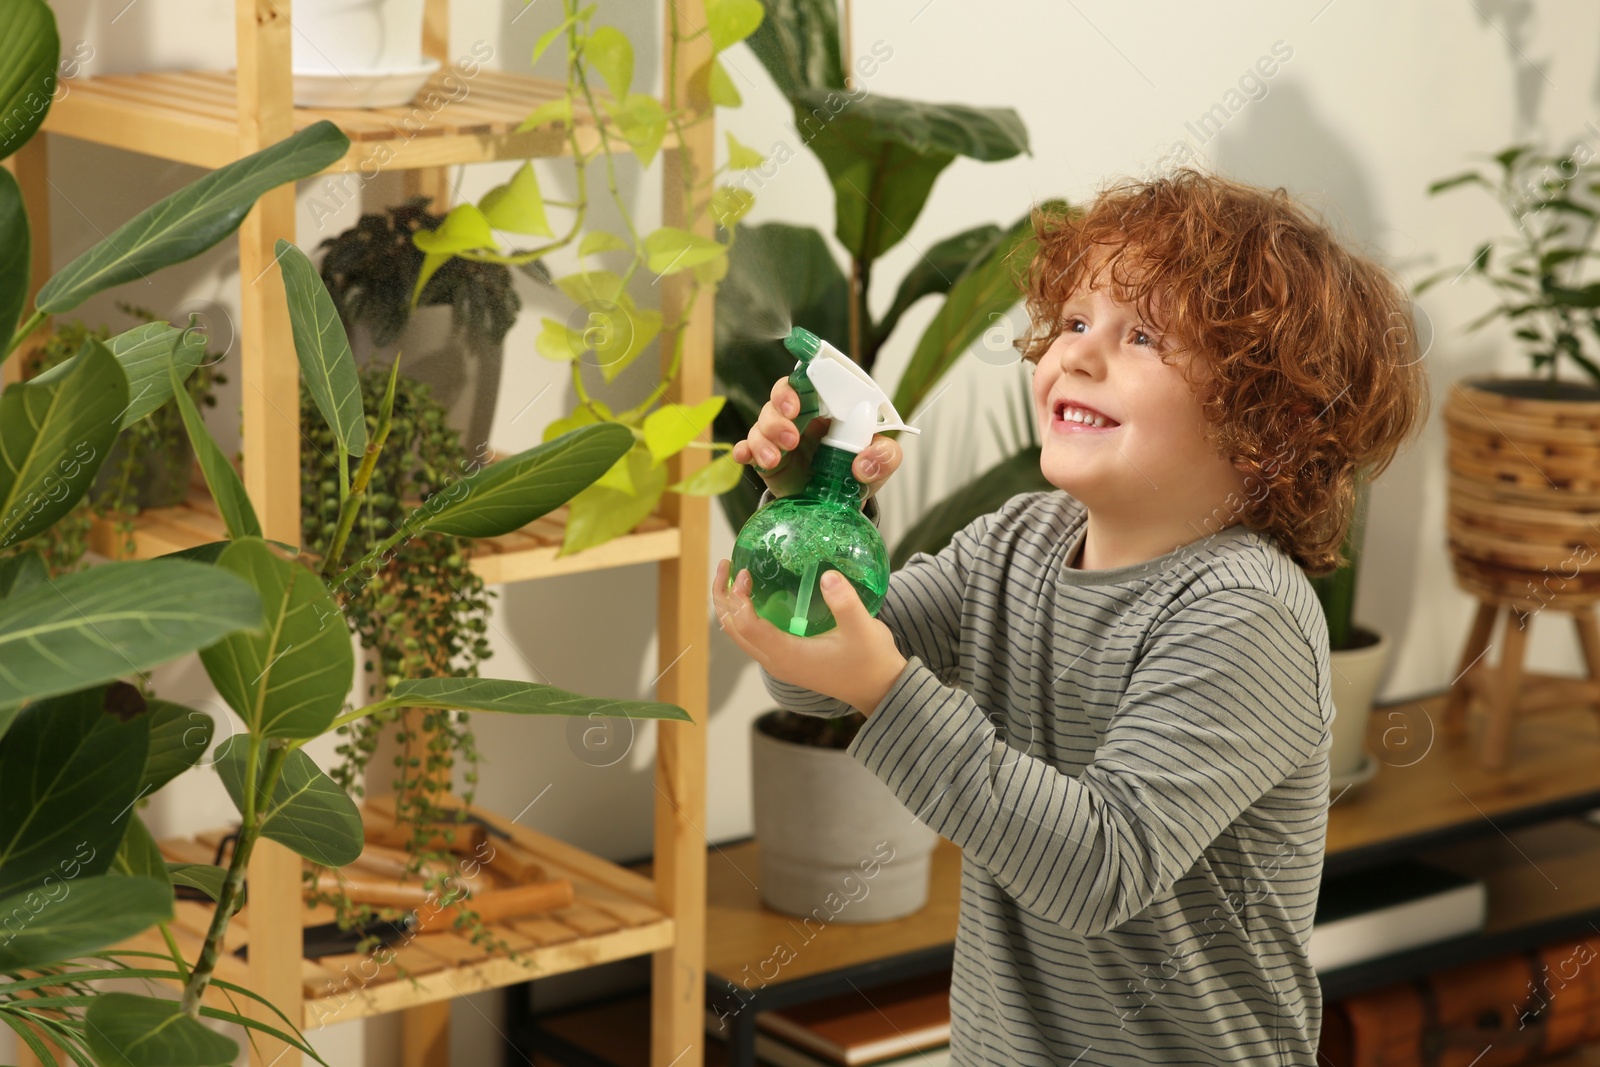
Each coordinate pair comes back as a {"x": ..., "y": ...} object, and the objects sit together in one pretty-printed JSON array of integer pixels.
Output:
[{"x": 1524, "y": 532}]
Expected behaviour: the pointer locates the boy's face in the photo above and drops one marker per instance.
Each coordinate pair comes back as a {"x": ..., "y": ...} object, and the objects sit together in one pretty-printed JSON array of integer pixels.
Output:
[{"x": 1151, "y": 462}]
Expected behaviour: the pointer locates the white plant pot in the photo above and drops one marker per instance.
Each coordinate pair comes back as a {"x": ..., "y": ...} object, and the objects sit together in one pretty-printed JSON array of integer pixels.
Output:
[
  {"x": 464, "y": 379},
  {"x": 1356, "y": 674},
  {"x": 836, "y": 844},
  {"x": 358, "y": 53}
]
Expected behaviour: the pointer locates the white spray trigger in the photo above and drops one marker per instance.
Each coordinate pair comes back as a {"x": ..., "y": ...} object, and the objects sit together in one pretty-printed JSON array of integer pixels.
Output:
[{"x": 849, "y": 397}]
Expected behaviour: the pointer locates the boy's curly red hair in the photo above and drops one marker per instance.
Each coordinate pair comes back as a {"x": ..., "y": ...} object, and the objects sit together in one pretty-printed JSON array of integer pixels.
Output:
[{"x": 1311, "y": 374}]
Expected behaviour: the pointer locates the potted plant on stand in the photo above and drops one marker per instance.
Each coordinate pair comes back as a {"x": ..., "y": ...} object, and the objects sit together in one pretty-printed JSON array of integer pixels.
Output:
[{"x": 1524, "y": 452}]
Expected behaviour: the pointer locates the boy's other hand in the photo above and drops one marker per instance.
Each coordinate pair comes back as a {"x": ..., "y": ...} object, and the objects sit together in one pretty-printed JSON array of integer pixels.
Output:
[{"x": 782, "y": 456}]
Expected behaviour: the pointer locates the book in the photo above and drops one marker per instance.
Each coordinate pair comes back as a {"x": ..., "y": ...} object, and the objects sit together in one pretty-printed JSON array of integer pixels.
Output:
[
  {"x": 886, "y": 1024},
  {"x": 778, "y": 1053},
  {"x": 1379, "y": 911}
]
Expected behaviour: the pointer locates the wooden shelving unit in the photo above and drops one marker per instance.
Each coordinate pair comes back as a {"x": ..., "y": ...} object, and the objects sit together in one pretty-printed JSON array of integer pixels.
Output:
[{"x": 208, "y": 119}]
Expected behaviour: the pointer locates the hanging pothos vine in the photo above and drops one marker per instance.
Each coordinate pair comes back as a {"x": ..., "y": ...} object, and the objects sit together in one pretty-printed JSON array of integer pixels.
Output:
[{"x": 607, "y": 328}]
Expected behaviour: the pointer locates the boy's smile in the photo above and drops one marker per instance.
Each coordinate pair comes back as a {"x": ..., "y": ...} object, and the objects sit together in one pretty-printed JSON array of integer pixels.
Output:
[{"x": 1124, "y": 433}]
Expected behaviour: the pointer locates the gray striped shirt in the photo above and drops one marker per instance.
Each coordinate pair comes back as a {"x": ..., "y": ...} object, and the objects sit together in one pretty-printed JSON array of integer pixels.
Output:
[{"x": 1134, "y": 763}]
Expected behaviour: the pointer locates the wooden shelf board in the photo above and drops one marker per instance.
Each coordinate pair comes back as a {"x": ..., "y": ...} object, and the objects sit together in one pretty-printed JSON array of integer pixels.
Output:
[
  {"x": 531, "y": 552},
  {"x": 192, "y": 117},
  {"x": 1430, "y": 788},
  {"x": 1532, "y": 875},
  {"x": 613, "y": 916}
]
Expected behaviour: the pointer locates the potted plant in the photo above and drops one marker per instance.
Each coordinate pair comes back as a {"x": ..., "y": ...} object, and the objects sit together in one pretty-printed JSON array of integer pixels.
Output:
[
  {"x": 1358, "y": 655},
  {"x": 358, "y": 53},
  {"x": 1524, "y": 483},
  {"x": 452, "y": 340},
  {"x": 818, "y": 813}
]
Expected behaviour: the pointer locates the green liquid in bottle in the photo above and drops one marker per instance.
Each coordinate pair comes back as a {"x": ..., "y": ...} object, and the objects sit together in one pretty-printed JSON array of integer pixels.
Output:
[{"x": 788, "y": 545}]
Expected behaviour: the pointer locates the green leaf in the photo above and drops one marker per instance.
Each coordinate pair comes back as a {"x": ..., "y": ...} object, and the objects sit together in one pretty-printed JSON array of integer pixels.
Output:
[
  {"x": 714, "y": 479},
  {"x": 22, "y": 572},
  {"x": 592, "y": 286},
  {"x": 581, "y": 416},
  {"x": 113, "y": 619},
  {"x": 191, "y": 220},
  {"x": 798, "y": 43},
  {"x": 670, "y": 249},
  {"x": 29, "y": 49},
  {"x": 308, "y": 812},
  {"x": 559, "y": 110},
  {"x": 741, "y": 156},
  {"x": 211, "y": 551},
  {"x": 510, "y": 493},
  {"x": 326, "y": 362},
  {"x": 729, "y": 204},
  {"x": 126, "y": 1030},
  {"x": 53, "y": 438},
  {"x": 463, "y": 230},
  {"x": 618, "y": 477},
  {"x": 96, "y": 914},
  {"x": 670, "y": 428},
  {"x": 69, "y": 774},
  {"x": 201, "y": 876},
  {"x": 227, "y": 489},
  {"x": 548, "y": 37},
  {"x": 179, "y": 736},
  {"x": 1470, "y": 178},
  {"x": 557, "y": 342},
  {"x": 16, "y": 245},
  {"x": 609, "y": 52},
  {"x": 600, "y": 513},
  {"x": 642, "y": 122},
  {"x": 139, "y": 856},
  {"x": 290, "y": 679},
  {"x": 145, "y": 353},
  {"x": 711, "y": 82},
  {"x": 882, "y": 155},
  {"x": 936, "y": 270},
  {"x": 987, "y": 290},
  {"x": 596, "y": 241},
  {"x": 523, "y": 698},
  {"x": 517, "y": 206},
  {"x": 619, "y": 333},
  {"x": 731, "y": 21}
]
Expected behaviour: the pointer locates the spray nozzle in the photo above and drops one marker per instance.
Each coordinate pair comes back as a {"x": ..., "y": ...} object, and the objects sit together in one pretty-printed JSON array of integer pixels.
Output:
[{"x": 846, "y": 394}]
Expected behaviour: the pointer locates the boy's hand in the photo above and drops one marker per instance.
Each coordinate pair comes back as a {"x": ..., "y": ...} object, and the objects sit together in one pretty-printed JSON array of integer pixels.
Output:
[
  {"x": 856, "y": 661},
  {"x": 787, "y": 473}
]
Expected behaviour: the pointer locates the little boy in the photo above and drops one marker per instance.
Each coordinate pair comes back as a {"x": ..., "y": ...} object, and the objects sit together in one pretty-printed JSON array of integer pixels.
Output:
[{"x": 1115, "y": 697}]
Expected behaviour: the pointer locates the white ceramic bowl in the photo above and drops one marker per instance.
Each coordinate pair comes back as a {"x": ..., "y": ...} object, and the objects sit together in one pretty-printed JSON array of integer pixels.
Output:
[{"x": 376, "y": 88}]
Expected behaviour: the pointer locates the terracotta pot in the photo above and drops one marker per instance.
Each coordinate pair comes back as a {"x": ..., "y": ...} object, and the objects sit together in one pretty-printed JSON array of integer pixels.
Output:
[
  {"x": 1524, "y": 488},
  {"x": 836, "y": 844}
]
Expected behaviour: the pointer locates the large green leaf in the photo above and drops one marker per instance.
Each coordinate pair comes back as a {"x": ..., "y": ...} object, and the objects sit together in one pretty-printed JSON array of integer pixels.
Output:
[
  {"x": 21, "y": 572},
  {"x": 882, "y": 155},
  {"x": 1019, "y": 473},
  {"x": 29, "y": 49},
  {"x": 511, "y": 493},
  {"x": 934, "y": 272},
  {"x": 113, "y": 619},
  {"x": 179, "y": 736},
  {"x": 326, "y": 362},
  {"x": 989, "y": 288},
  {"x": 522, "y": 698},
  {"x": 201, "y": 876},
  {"x": 798, "y": 43},
  {"x": 126, "y": 1030},
  {"x": 96, "y": 914},
  {"x": 53, "y": 438},
  {"x": 192, "y": 219},
  {"x": 139, "y": 856},
  {"x": 778, "y": 276},
  {"x": 308, "y": 813},
  {"x": 69, "y": 774},
  {"x": 145, "y": 353},
  {"x": 291, "y": 678},
  {"x": 227, "y": 488},
  {"x": 15, "y": 254}
]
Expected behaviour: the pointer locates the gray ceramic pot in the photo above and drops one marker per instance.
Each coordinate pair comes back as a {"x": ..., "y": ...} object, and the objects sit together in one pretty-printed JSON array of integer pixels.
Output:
[{"x": 836, "y": 844}]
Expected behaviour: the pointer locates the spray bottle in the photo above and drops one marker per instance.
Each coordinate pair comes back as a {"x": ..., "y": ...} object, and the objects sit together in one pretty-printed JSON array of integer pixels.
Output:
[{"x": 788, "y": 545}]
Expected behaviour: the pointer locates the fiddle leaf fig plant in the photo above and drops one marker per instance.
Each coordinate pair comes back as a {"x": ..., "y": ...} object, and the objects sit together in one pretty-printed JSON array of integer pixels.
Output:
[
  {"x": 607, "y": 330},
  {"x": 80, "y": 873}
]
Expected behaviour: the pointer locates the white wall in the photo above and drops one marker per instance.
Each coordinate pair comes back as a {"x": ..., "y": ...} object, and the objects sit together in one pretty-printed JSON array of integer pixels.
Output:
[{"x": 1373, "y": 102}]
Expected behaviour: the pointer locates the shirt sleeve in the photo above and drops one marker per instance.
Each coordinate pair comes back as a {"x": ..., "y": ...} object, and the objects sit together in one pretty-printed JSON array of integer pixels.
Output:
[
  {"x": 1222, "y": 706},
  {"x": 921, "y": 608}
]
